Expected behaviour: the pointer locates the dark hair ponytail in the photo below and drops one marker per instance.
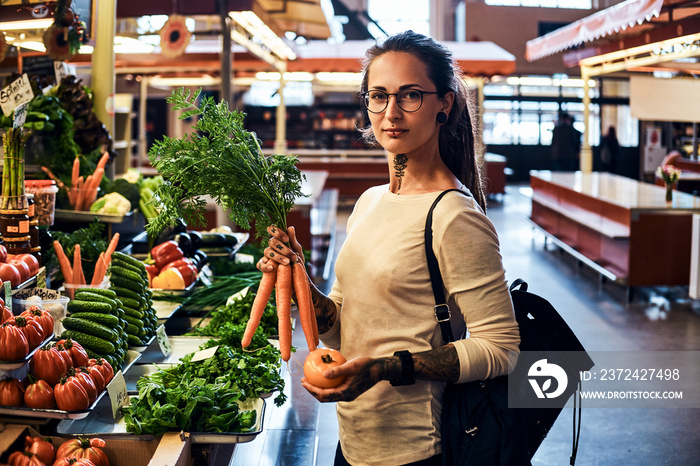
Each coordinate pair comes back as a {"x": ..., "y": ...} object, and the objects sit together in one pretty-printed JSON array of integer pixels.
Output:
[{"x": 456, "y": 140}]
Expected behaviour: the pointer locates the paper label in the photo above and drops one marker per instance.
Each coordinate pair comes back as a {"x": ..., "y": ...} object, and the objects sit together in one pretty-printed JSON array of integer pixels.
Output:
[
  {"x": 204, "y": 354},
  {"x": 240, "y": 295},
  {"x": 244, "y": 258},
  {"x": 8, "y": 295},
  {"x": 163, "y": 341},
  {"x": 62, "y": 69},
  {"x": 17, "y": 93},
  {"x": 20, "y": 115},
  {"x": 41, "y": 280},
  {"x": 117, "y": 394}
]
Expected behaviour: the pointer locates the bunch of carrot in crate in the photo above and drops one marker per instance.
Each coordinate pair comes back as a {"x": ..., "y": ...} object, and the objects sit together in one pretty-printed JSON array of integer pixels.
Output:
[
  {"x": 283, "y": 279},
  {"x": 73, "y": 275},
  {"x": 83, "y": 189}
]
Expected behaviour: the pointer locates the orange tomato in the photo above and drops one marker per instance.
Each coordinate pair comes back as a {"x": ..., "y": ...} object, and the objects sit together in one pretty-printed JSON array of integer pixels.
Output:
[{"x": 320, "y": 360}]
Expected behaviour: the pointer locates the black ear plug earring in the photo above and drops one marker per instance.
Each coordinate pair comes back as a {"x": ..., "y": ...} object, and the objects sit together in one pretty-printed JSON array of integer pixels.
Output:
[{"x": 441, "y": 118}]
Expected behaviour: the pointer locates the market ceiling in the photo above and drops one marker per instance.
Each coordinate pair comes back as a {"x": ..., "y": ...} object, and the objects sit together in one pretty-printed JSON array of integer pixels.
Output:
[{"x": 622, "y": 27}]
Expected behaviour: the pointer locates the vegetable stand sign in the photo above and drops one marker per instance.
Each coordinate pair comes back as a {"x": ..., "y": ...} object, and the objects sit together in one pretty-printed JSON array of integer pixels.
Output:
[
  {"x": 16, "y": 93},
  {"x": 117, "y": 394}
]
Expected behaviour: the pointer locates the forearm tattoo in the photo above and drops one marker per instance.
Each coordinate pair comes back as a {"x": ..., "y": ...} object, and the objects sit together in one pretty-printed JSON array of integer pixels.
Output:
[
  {"x": 439, "y": 364},
  {"x": 400, "y": 161},
  {"x": 325, "y": 309}
]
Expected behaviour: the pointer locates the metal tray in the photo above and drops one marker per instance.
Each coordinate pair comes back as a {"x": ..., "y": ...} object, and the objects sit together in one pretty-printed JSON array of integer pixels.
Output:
[
  {"x": 12, "y": 365},
  {"x": 180, "y": 347},
  {"x": 101, "y": 423},
  {"x": 86, "y": 216},
  {"x": 165, "y": 309},
  {"x": 186, "y": 292}
]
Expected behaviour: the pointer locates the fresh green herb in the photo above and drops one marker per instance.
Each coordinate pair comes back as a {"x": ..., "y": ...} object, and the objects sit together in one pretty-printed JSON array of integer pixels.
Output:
[{"x": 225, "y": 162}]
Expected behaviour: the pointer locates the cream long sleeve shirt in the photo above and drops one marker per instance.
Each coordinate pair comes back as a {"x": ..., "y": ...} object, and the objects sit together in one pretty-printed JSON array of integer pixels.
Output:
[{"x": 386, "y": 304}]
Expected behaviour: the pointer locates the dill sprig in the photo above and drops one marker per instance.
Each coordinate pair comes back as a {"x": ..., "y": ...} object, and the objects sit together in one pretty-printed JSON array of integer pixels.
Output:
[{"x": 224, "y": 161}]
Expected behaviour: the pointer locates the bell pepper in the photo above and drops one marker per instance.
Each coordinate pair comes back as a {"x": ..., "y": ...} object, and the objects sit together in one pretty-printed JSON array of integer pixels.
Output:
[
  {"x": 166, "y": 252},
  {"x": 152, "y": 271},
  {"x": 170, "y": 279}
]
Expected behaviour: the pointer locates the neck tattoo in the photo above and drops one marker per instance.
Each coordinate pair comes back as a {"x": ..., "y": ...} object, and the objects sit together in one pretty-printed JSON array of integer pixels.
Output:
[{"x": 400, "y": 167}]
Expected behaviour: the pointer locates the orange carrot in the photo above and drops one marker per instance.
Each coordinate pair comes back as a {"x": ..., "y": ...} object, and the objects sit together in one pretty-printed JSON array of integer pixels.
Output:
[
  {"x": 92, "y": 188},
  {"x": 267, "y": 283},
  {"x": 81, "y": 194},
  {"x": 73, "y": 193},
  {"x": 78, "y": 276},
  {"x": 301, "y": 289},
  {"x": 103, "y": 161},
  {"x": 314, "y": 322},
  {"x": 100, "y": 270},
  {"x": 63, "y": 261},
  {"x": 283, "y": 295},
  {"x": 111, "y": 248}
]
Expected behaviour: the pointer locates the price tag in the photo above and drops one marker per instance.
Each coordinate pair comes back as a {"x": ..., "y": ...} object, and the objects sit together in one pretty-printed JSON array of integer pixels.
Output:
[
  {"x": 20, "y": 115},
  {"x": 18, "y": 92},
  {"x": 41, "y": 278},
  {"x": 244, "y": 258},
  {"x": 240, "y": 295},
  {"x": 204, "y": 354},
  {"x": 62, "y": 69},
  {"x": 8, "y": 295},
  {"x": 163, "y": 341},
  {"x": 117, "y": 394}
]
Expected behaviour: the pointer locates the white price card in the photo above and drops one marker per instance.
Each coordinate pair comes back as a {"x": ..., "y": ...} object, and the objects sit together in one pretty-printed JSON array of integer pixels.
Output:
[
  {"x": 61, "y": 70},
  {"x": 41, "y": 278},
  {"x": 117, "y": 394},
  {"x": 163, "y": 341},
  {"x": 8, "y": 295},
  {"x": 20, "y": 115},
  {"x": 240, "y": 295},
  {"x": 204, "y": 354},
  {"x": 244, "y": 258},
  {"x": 16, "y": 93}
]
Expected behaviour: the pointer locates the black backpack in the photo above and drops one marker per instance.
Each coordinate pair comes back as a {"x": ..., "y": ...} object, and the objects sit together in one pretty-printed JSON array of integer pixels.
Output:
[{"x": 478, "y": 424}]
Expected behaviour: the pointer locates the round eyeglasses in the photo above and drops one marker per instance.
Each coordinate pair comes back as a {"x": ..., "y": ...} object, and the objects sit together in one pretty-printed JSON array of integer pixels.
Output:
[{"x": 409, "y": 100}]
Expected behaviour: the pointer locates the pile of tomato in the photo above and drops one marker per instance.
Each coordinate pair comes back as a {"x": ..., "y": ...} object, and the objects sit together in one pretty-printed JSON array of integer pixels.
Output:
[
  {"x": 61, "y": 375},
  {"x": 23, "y": 333},
  {"x": 17, "y": 268},
  {"x": 39, "y": 451}
]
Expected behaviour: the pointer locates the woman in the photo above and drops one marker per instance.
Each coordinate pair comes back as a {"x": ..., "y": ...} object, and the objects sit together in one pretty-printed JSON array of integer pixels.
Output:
[{"x": 382, "y": 303}]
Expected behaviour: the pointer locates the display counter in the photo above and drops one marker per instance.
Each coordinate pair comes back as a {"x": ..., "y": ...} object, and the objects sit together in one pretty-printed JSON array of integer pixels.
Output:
[{"x": 624, "y": 228}]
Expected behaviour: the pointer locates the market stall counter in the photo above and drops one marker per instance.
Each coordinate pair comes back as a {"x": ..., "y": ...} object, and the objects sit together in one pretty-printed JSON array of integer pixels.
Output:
[{"x": 623, "y": 228}]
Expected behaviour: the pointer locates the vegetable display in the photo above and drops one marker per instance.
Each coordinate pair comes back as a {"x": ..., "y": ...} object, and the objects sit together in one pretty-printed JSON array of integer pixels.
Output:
[{"x": 13, "y": 143}]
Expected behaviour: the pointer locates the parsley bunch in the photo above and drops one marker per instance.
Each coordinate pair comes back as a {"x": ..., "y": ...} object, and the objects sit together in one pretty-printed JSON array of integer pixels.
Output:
[{"x": 224, "y": 161}]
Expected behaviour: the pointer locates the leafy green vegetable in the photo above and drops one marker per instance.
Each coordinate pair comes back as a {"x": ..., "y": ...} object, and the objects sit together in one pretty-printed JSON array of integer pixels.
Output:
[{"x": 224, "y": 161}]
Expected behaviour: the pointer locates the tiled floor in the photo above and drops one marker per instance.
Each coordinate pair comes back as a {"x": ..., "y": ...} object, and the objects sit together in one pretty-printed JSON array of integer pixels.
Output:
[{"x": 304, "y": 432}]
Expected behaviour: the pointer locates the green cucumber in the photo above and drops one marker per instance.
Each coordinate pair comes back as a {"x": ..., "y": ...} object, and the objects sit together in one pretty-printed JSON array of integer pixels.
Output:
[
  {"x": 131, "y": 330},
  {"x": 107, "y": 320},
  {"x": 120, "y": 256},
  {"x": 89, "y": 327},
  {"x": 132, "y": 303},
  {"x": 133, "y": 321},
  {"x": 101, "y": 291},
  {"x": 76, "y": 305},
  {"x": 116, "y": 269},
  {"x": 129, "y": 311},
  {"x": 134, "y": 340},
  {"x": 127, "y": 293},
  {"x": 88, "y": 296},
  {"x": 123, "y": 282},
  {"x": 90, "y": 342}
]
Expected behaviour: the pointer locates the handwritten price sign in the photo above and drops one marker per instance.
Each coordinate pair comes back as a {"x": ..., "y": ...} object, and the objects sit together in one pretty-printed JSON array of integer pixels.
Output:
[
  {"x": 18, "y": 92},
  {"x": 117, "y": 394}
]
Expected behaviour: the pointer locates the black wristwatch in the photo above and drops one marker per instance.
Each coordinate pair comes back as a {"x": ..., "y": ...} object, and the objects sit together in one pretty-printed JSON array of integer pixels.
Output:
[{"x": 408, "y": 371}]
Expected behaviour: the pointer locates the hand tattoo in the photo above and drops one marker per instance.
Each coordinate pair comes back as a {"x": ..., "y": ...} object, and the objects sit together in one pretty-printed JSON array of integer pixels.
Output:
[{"x": 400, "y": 161}]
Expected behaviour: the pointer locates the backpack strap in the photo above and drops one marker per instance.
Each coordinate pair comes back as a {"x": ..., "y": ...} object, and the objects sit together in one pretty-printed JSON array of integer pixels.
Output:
[{"x": 442, "y": 310}]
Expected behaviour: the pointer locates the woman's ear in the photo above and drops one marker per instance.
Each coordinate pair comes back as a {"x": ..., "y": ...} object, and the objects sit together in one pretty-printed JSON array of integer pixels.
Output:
[{"x": 446, "y": 102}]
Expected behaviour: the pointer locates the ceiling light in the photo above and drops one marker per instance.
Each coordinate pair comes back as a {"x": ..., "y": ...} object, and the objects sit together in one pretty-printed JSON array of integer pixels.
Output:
[
  {"x": 26, "y": 24},
  {"x": 31, "y": 45},
  {"x": 176, "y": 81},
  {"x": 131, "y": 45},
  {"x": 350, "y": 78},
  {"x": 262, "y": 33}
]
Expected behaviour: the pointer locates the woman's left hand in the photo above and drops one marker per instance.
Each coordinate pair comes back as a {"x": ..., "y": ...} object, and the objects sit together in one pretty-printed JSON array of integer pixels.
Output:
[{"x": 360, "y": 373}]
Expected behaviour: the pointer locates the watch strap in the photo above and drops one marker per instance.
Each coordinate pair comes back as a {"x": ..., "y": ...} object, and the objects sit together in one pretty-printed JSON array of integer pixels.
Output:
[{"x": 408, "y": 371}]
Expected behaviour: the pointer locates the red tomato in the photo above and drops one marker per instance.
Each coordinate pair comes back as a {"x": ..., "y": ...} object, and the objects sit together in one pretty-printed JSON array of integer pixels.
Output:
[
  {"x": 3, "y": 253},
  {"x": 24, "y": 272},
  {"x": 31, "y": 328},
  {"x": 48, "y": 364},
  {"x": 87, "y": 382},
  {"x": 24, "y": 458},
  {"x": 71, "y": 396},
  {"x": 5, "y": 312},
  {"x": 13, "y": 343},
  {"x": 44, "y": 318},
  {"x": 104, "y": 367},
  {"x": 31, "y": 261},
  {"x": 42, "y": 448},
  {"x": 317, "y": 362},
  {"x": 78, "y": 354},
  {"x": 9, "y": 273},
  {"x": 65, "y": 354},
  {"x": 84, "y": 448},
  {"x": 11, "y": 392},
  {"x": 97, "y": 377},
  {"x": 73, "y": 461},
  {"x": 39, "y": 394}
]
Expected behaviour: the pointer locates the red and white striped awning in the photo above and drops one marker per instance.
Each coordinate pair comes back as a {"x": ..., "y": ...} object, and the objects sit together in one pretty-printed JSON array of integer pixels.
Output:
[{"x": 601, "y": 24}]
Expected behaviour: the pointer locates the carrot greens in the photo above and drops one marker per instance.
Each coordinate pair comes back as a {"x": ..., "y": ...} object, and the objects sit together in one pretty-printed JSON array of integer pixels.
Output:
[{"x": 220, "y": 159}]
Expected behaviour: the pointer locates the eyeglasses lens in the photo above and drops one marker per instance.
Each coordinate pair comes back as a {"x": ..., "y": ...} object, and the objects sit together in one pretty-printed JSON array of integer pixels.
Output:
[{"x": 408, "y": 100}]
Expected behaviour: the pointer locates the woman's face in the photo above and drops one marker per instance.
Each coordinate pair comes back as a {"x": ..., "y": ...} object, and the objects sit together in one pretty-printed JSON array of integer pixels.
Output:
[{"x": 399, "y": 131}]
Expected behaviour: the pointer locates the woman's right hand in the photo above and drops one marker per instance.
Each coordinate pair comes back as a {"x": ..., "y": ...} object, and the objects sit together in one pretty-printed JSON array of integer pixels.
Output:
[{"x": 277, "y": 250}]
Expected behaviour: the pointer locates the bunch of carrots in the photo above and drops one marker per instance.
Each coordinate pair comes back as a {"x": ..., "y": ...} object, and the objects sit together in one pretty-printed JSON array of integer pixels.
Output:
[
  {"x": 283, "y": 279},
  {"x": 73, "y": 275},
  {"x": 83, "y": 190}
]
